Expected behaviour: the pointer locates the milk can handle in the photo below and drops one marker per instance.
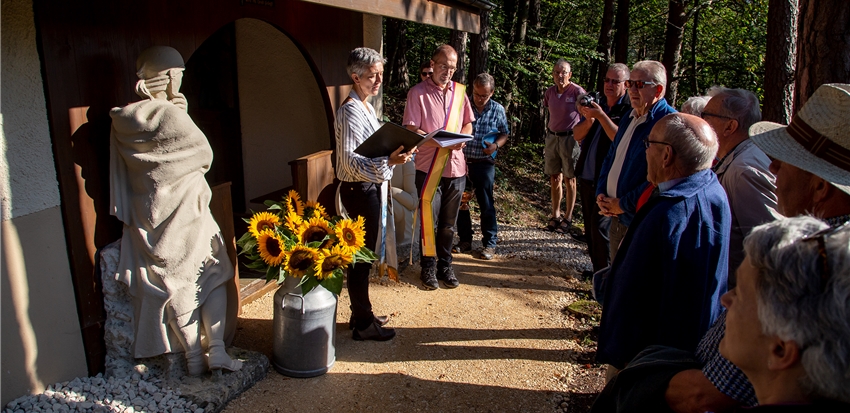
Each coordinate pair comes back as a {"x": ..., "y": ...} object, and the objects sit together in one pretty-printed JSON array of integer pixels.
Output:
[{"x": 283, "y": 302}]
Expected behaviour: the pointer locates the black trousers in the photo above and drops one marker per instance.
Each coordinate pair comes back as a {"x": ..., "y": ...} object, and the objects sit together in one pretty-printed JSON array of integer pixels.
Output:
[
  {"x": 446, "y": 204},
  {"x": 595, "y": 225},
  {"x": 362, "y": 199}
]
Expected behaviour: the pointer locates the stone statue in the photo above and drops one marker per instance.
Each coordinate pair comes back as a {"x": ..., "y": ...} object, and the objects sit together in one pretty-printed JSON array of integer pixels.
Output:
[{"x": 173, "y": 258}]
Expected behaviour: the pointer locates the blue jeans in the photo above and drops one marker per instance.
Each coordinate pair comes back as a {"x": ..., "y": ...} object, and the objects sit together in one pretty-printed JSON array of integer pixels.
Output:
[
  {"x": 482, "y": 175},
  {"x": 445, "y": 205}
]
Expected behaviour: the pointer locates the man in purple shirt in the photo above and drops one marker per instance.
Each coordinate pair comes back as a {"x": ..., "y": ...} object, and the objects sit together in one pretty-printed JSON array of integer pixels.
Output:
[
  {"x": 427, "y": 108},
  {"x": 561, "y": 151}
]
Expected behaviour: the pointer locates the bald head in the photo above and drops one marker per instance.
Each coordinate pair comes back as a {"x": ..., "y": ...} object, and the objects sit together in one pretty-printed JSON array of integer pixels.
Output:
[
  {"x": 680, "y": 145},
  {"x": 444, "y": 62}
]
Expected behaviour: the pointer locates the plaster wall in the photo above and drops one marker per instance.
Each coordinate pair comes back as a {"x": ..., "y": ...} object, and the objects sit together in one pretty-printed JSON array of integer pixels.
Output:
[
  {"x": 41, "y": 343},
  {"x": 281, "y": 109}
]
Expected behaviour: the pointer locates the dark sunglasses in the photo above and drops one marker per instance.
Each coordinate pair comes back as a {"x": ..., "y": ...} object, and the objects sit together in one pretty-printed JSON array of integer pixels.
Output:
[
  {"x": 640, "y": 84},
  {"x": 613, "y": 81},
  {"x": 426, "y": 73},
  {"x": 647, "y": 142},
  {"x": 820, "y": 238}
]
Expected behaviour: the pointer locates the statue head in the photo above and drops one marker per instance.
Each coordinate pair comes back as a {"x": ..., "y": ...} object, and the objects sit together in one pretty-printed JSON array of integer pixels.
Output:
[{"x": 160, "y": 69}]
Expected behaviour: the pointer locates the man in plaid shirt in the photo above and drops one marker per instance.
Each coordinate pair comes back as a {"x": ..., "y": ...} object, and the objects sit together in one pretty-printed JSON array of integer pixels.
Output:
[{"x": 491, "y": 132}]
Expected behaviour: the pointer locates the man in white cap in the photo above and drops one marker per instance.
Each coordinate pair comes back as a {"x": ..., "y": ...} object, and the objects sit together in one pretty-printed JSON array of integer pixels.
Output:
[{"x": 811, "y": 161}]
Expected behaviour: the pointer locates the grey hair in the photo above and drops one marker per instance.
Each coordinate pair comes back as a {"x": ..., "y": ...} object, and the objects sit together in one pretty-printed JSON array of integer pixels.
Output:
[
  {"x": 695, "y": 105},
  {"x": 741, "y": 105},
  {"x": 796, "y": 305},
  {"x": 361, "y": 59},
  {"x": 562, "y": 62},
  {"x": 484, "y": 79},
  {"x": 619, "y": 67},
  {"x": 695, "y": 146},
  {"x": 655, "y": 70}
]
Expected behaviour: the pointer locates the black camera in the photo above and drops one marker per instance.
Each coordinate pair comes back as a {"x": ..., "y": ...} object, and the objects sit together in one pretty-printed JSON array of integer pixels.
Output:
[{"x": 587, "y": 98}]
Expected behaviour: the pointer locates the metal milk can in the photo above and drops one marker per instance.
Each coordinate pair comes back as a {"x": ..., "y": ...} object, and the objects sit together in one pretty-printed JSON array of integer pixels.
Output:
[{"x": 304, "y": 330}]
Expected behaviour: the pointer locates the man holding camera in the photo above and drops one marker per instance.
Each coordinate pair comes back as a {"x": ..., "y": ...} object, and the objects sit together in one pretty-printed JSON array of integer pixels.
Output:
[
  {"x": 595, "y": 134},
  {"x": 561, "y": 150}
]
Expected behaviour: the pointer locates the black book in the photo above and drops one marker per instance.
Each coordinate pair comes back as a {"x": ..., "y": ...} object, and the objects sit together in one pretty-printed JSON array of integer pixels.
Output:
[{"x": 390, "y": 136}]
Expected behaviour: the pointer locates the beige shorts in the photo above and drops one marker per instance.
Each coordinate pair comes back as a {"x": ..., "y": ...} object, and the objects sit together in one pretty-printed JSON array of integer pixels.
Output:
[{"x": 560, "y": 155}]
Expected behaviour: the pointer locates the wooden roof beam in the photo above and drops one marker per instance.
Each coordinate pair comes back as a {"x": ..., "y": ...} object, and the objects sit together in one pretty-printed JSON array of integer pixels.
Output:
[{"x": 420, "y": 11}]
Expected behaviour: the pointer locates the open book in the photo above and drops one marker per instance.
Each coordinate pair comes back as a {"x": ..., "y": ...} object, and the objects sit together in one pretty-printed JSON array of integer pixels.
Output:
[{"x": 390, "y": 136}]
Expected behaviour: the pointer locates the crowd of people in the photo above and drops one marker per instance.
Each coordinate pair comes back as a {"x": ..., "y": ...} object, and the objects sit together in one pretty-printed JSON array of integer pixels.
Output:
[{"x": 719, "y": 243}]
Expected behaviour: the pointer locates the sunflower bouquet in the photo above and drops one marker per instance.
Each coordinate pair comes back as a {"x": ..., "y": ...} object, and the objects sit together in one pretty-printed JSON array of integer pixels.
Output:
[{"x": 297, "y": 239}]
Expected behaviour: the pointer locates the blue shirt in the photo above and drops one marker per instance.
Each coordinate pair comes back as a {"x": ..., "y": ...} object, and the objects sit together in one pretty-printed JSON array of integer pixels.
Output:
[{"x": 491, "y": 119}]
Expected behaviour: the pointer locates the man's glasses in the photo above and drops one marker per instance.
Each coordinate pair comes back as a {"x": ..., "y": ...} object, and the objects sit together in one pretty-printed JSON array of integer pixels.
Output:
[
  {"x": 820, "y": 238},
  {"x": 647, "y": 142},
  {"x": 707, "y": 114},
  {"x": 640, "y": 84},
  {"x": 613, "y": 81},
  {"x": 426, "y": 74}
]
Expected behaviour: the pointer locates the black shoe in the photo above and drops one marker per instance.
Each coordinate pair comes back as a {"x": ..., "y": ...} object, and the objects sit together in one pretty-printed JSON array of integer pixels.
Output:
[
  {"x": 462, "y": 247},
  {"x": 586, "y": 275},
  {"x": 380, "y": 319},
  {"x": 429, "y": 278},
  {"x": 373, "y": 332},
  {"x": 447, "y": 275},
  {"x": 579, "y": 237}
]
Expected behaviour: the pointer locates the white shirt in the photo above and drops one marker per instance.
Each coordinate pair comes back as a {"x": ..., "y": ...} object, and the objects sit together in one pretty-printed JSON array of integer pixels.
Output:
[{"x": 620, "y": 155}]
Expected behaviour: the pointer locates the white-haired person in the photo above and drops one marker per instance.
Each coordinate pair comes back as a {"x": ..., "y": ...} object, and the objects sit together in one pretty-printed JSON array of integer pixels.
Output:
[
  {"x": 364, "y": 188},
  {"x": 788, "y": 319}
]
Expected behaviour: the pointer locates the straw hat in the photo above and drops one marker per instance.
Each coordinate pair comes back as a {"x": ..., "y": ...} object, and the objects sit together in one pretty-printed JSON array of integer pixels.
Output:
[{"x": 818, "y": 138}]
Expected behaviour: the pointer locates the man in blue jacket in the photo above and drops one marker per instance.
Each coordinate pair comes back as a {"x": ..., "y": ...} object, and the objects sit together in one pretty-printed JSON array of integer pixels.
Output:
[
  {"x": 623, "y": 175},
  {"x": 665, "y": 283}
]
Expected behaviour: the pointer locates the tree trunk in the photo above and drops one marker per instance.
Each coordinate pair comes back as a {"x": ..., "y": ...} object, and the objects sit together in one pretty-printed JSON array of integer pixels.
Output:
[
  {"x": 521, "y": 24},
  {"x": 603, "y": 47},
  {"x": 621, "y": 35},
  {"x": 458, "y": 41},
  {"x": 779, "y": 61},
  {"x": 694, "y": 43},
  {"x": 480, "y": 44},
  {"x": 676, "y": 19},
  {"x": 396, "y": 69},
  {"x": 823, "y": 46},
  {"x": 535, "y": 93}
]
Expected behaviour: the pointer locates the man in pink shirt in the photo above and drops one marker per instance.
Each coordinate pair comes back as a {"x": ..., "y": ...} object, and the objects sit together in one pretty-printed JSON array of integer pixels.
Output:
[
  {"x": 427, "y": 108},
  {"x": 561, "y": 151}
]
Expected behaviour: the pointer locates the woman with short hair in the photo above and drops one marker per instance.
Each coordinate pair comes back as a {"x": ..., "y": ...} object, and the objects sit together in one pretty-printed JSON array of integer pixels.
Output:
[
  {"x": 788, "y": 319},
  {"x": 364, "y": 189}
]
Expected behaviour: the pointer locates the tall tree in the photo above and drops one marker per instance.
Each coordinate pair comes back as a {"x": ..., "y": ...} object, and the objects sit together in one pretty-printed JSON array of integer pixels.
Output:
[
  {"x": 621, "y": 35},
  {"x": 603, "y": 47},
  {"x": 673, "y": 35},
  {"x": 779, "y": 61},
  {"x": 458, "y": 41},
  {"x": 823, "y": 46},
  {"x": 480, "y": 45},
  {"x": 396, "y": 35}
]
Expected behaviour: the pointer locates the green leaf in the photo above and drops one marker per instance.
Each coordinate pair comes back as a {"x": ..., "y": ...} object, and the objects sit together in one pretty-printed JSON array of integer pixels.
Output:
[
  {"x": 333, "y": 283},
  {"x": 271, "y": 273},
  {"x": 308, "y": 283}
]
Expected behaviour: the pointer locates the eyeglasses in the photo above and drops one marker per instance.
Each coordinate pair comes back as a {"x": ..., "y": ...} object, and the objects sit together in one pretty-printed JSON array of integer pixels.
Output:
[
  {"x": 426, "y": 74},
  {"x": 706, "y": 114},
  {"x": 647, "y": 142},
  {"x": 640, "y": 84},
  {"x": 613, "y": 81},
  {"x": 820, "y": 238}
]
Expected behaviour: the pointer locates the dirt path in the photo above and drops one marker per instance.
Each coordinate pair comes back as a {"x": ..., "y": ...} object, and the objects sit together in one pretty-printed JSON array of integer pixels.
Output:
[{"x": 502, "y": 341}]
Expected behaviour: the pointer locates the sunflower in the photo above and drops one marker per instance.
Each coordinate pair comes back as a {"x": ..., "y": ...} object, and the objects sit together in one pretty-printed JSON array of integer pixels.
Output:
[
  {"x": 293, "y": 203},
  {"x": 335, "y": 258},
  {"x": 302, "y": 259},
  {"x": 314, "y": 230},
  {"x": 350, "y": 233},
  {"x": 317, "y": 210},
  {"x": 271, "y": 248},
  {"x": 263, "y": 221},
  {"x": 293, "y": 221}
]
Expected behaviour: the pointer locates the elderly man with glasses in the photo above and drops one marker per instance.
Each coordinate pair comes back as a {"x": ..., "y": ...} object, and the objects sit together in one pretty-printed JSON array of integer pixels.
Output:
[
  {"x": 622, "y": 178},
  {"x": 665, "y": 284},
  {"x": 742, "y": 168},
  {"x": 595, "y": 133}
]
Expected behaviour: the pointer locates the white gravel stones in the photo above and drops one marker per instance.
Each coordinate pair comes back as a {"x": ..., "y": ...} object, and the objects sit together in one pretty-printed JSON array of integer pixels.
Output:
[{"x": 135, "y": 393}]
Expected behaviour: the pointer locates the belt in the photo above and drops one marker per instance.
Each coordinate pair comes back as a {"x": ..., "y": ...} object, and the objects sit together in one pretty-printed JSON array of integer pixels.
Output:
[{"x": 565, "y": 133}]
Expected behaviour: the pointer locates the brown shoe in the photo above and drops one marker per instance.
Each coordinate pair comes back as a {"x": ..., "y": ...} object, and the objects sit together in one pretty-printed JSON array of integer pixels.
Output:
[{"x": 486, "y": 253}]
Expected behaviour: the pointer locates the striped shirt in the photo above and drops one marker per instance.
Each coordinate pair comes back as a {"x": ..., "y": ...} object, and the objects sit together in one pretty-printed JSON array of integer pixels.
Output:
[{"x": 354, "y": 123}]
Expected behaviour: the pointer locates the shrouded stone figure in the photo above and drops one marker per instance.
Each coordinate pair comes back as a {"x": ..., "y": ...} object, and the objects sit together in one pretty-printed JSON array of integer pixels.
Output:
[{"x": 173, "y": 258}]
